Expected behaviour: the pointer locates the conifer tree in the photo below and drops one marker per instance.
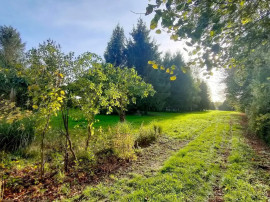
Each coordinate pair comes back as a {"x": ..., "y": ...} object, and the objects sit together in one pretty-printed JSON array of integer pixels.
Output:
[
  {"x": 141, "y": 49},
  {"x": 114, "y": 53},
  {"x": 204, "y": 95}
]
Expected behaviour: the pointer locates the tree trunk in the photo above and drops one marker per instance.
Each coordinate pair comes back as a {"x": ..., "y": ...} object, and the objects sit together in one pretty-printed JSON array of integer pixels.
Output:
[
  {"x": 88, "y": 137},
  {"x": 66, "y": 156},
  {"x": 122, "y": 115},
  {"x": 65, "y": 118},
  {"x": 12, "y": 95},
  {"x": 42, "y": 157}
]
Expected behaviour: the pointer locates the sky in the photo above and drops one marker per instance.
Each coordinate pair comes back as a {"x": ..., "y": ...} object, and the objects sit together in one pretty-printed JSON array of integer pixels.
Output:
[{"x": 85, "y": 25}]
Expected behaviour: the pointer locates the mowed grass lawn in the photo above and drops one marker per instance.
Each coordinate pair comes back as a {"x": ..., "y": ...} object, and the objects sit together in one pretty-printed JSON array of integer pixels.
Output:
[{"x": 215, "y": 165}]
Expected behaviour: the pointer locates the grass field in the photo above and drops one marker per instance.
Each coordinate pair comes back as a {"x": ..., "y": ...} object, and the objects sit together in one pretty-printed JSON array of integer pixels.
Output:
[
  {"x": 201, "y": 156},
  {"x": 215, "y": 165}
]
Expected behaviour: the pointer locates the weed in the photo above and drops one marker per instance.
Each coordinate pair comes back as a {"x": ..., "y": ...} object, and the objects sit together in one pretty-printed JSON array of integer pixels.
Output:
[
  {"x": 65, "y": 189},
  {"x": 147, "y": 135},
  {"x": 123, "y": 141}
]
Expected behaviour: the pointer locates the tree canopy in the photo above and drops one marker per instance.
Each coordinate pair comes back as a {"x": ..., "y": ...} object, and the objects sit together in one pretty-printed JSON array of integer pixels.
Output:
[{"x": 222, "y": 33}]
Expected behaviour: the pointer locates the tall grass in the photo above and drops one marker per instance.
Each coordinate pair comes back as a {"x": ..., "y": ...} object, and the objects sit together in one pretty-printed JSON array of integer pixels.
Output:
[{"x": 16, "y": 135}]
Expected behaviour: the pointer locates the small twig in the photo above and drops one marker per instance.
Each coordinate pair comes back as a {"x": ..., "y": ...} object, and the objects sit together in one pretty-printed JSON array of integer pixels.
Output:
[{"x": 137, "y": 13}]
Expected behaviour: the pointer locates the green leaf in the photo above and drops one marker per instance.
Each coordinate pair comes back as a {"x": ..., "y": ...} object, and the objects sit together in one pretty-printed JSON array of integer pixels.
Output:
[
  {"x": 184, "y": 69},
  {"x": 153, "y": 24},
  {"x": 174, "y": 37},
  {"x": 149, "y": 9},
  {"x": 158, "y": 31}
]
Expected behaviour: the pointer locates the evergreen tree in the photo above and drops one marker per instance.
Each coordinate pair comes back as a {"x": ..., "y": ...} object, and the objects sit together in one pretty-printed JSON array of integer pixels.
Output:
[
  {"x": 204, "y": 95},
  {"x": 183, "y": 91},
  {"x": 114, "y": 53},
  {"x": 162, "y": 86},
  {"x": 141, "y": 49}
]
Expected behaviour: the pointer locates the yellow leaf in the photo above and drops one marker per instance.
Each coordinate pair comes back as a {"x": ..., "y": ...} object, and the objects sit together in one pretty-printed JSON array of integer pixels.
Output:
[
  {"x": 162, "y": 68},
  {"x": 155, "y": 66},
  {"x": 35, "y": 106},
  {"x": 62, "y": 92},
  {"x": 245, "y": 20},
  {"x": 212, "y": 33},
  {"x": 61, "y": 75},
  {"x": 171, "y": 72},
  {"x": 242, "y": 3},
  {"x": 150, "y": 62},
  {"x": 168, "y": 70},
  {"x": 172, "y": 78},
  {"x": 153, "y": 25}
]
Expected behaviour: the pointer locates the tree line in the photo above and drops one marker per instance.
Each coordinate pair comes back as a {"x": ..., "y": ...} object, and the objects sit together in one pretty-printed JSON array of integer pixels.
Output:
[{"x": 185, "y": 93}]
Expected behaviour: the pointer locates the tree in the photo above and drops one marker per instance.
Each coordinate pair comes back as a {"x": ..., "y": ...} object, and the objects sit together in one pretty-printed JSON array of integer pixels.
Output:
[
  {"x": 67, "y": 67},
  {"x": 204, "y": 95},
  {"x": 114, "y": 53},
  {"x": 225, "y": 106},
  {"x": 183, "y": 91},
  {"x": 141, "y": 49},
  {"x": 93, "y": 89},
  {"x": 248, "y": 91},
  {"x": 13, "y": 85},
  {"x": 11, "y": 46},
  {"x": 219, "y": 31},
  {"x": 162, "y": 86},
  {"x": 46, "y": 80},
  {"x": 126, "y": 86}
]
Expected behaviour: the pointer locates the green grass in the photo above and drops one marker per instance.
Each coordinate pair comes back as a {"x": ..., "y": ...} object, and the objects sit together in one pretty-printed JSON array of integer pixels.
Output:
[
  {"x": 78, "y": 121},
  {"x": 243, "y": 181},
  {"x": 216, "y": 155},
  {"x": 191, "y": 173}
]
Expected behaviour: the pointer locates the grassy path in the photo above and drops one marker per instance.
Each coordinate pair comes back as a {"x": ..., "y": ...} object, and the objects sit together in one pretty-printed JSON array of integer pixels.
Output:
[{"x": 215, "y": 165}]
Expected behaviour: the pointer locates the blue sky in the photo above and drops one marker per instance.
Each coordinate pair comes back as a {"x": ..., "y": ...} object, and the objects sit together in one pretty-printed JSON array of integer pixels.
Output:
[
  {"x": 82, "y": 25},
  {"x": 79, "y": 26}
]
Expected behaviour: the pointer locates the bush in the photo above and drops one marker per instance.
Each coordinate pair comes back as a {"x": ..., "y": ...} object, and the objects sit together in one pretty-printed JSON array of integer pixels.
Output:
[
  {"x": 16, "y": 135},
  {"x": 123, "y": 141},
  {"x": 147, "y": 135}
]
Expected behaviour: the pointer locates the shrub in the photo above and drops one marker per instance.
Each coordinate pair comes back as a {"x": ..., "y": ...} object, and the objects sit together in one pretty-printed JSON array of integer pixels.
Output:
[
  {"x": 147, "y": 135},
  {"x": 16, "y": 135},
  {"x": 102, "y": 143},
  {"x": 123, "y": 141}
]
